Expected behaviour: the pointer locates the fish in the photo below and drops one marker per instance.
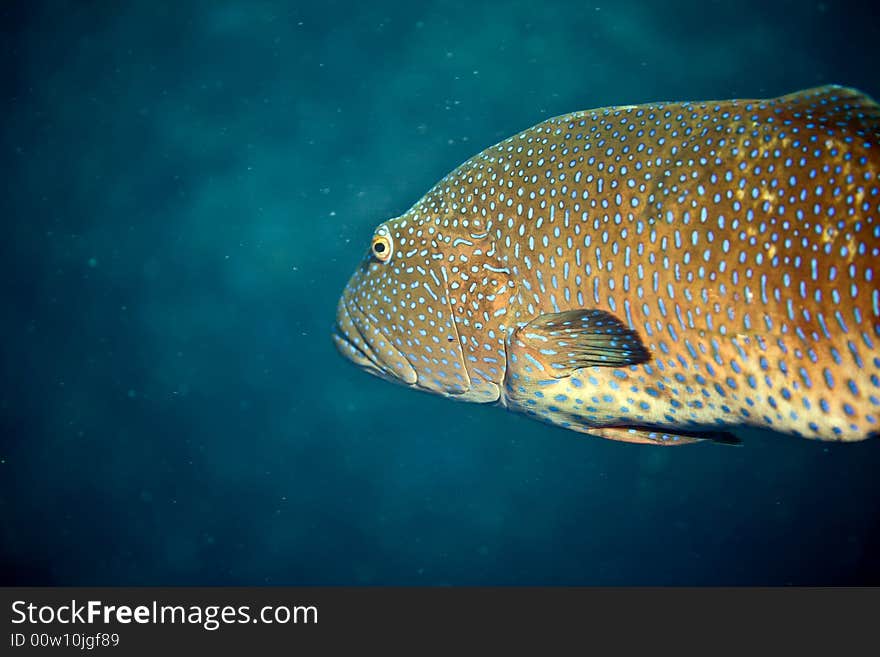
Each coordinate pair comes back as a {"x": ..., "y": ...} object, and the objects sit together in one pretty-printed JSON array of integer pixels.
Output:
[{"x": 662, "y": 273}]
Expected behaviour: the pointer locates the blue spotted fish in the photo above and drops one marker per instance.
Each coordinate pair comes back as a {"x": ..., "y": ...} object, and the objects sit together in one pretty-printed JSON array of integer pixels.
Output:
[{"x": 659, "y": 273}]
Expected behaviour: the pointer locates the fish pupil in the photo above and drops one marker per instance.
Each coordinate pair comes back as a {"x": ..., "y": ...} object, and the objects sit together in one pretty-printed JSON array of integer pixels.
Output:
[{"x": 379, "y": 247}]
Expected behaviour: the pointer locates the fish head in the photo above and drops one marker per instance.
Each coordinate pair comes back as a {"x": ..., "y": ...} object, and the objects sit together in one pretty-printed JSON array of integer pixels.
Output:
[{"x": 394, "y": 318}]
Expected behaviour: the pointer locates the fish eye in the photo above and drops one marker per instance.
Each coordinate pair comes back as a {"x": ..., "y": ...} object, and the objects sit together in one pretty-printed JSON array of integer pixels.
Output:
[{"x": 381, "y": 247}]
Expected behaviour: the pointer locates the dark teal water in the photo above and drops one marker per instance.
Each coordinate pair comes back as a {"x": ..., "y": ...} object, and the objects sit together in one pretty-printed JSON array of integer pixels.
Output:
[{"x": 187, "y": 187}]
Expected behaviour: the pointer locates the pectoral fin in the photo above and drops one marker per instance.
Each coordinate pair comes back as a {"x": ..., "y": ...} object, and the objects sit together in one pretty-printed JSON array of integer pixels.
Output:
[
  {"x": 543, "y": 379},
  {"x": 544, "y": 359},
  {"x": 556, "y": 344}
]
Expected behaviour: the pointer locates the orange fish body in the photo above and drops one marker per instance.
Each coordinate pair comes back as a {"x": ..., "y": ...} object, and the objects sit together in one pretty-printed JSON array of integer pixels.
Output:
[{"x": 653, "y": 273}]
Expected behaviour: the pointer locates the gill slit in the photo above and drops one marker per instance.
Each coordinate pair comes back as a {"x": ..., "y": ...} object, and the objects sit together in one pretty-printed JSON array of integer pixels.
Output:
[
  {"x": 509, "y": 329},
  {"x": 459, "y": 346}
]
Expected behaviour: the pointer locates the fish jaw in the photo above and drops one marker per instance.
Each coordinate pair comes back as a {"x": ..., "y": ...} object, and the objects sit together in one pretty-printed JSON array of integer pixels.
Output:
[{"x": 363, "y": 345}]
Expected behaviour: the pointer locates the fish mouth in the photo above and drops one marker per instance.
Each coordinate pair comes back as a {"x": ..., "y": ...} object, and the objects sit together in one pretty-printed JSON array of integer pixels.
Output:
[
  {"x": 350, "y": 350},
  {"x": 358, "y": 340}
]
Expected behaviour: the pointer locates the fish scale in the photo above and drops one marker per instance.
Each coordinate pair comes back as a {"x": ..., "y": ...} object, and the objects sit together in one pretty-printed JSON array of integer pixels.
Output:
[{"x": 719, "y": 256}]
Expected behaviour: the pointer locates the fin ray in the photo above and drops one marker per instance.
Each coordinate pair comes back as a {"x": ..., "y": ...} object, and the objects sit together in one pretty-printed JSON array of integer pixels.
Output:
[
  {"x": 573, "y": 339},
  {"x": 649, "y": 436}
]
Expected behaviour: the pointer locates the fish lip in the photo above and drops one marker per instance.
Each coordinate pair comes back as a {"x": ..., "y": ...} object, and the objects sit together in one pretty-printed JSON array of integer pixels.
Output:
[
  {"x": 343, "y": 341},
  {"x": 348, "y": 349},
  {"x": 364, "y": 322},
  {"x": 364, "y": 356}
]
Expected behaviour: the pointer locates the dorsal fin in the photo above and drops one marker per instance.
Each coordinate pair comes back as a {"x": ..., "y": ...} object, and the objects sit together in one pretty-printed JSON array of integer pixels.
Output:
[{"x": 831, "y": 104}]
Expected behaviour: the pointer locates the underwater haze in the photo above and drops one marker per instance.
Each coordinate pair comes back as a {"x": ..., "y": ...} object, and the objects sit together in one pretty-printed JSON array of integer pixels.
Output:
[{"x": 188, "y": 187}]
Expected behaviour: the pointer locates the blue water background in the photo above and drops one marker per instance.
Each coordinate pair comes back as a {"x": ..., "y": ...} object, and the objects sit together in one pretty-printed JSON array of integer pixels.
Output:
[{"x": 187, "y": 187}]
